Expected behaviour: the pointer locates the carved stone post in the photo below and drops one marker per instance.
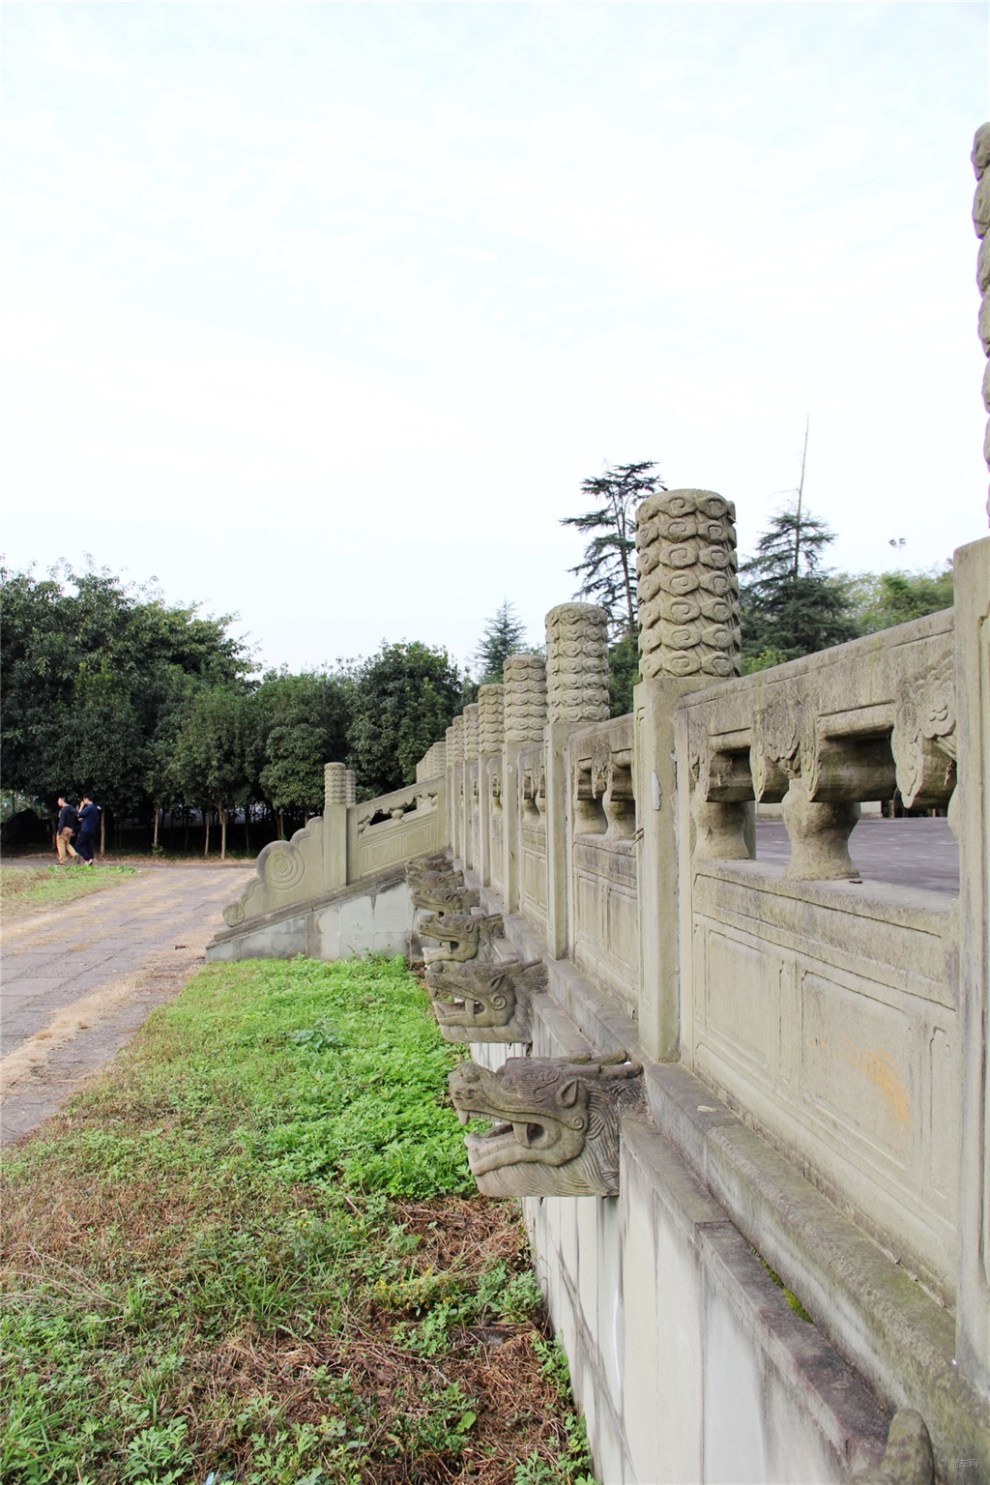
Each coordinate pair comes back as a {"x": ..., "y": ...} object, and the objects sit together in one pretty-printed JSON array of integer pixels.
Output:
[
  {"x": 455, "y": 752},
  {"x": 471, "y": 785},
  {"x": 981, "y": 221},
  {"x": 577, "y": 693},
  {"x": 334, "y": 825},
  {"x": 491, "y": 733},
  {"x": 689, "y": 637},
  {"x": 525, "y": 718},
  {"x": 351, "y": 793},
  {"x": 972, "y": 821}
]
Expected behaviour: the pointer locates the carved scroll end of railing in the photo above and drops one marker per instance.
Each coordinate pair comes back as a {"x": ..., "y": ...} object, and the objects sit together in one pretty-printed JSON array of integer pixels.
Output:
[
  {"x": 555, "y": 1123},
  {"x": 462, "y": 936},
  {"x": 478, "y": 1002},
  {"x": 285, "y": 872}
]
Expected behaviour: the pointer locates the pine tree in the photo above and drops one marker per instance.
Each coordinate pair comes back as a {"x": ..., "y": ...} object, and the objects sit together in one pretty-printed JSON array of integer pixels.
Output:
[
  {"x": 608, "y": 571},
  {"x": 504, "y": 635},
  {"x": 791, "y": 606}
]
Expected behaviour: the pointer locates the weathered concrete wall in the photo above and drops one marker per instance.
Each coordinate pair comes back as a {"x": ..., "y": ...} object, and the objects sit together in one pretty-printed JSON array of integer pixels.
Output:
[{"x": 373, "y": 916}]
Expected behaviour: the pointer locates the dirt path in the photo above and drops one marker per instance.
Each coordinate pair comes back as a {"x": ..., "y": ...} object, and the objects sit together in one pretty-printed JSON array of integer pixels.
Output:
[{"x": 78, "y": 981}]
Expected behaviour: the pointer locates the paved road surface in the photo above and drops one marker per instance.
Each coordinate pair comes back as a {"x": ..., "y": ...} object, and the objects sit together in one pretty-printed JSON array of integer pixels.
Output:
[
  {"x": 914, "y": 852},
  {"x": 78, "y": 981}
]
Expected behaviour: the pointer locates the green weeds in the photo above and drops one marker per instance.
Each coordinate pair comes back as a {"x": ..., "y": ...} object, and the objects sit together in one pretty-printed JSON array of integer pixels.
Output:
[
  {"x": 25, "y": 889},
  {"x": 252, "y": 1253}
]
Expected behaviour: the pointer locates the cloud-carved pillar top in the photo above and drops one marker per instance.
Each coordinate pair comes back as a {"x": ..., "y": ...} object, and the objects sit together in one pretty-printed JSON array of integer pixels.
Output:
[
  {"x": 577, "y": 663},
  {"x": 491, "y": 726},
  {"x": 688, "y": 589},
  {"x": 525, "y": 698}
]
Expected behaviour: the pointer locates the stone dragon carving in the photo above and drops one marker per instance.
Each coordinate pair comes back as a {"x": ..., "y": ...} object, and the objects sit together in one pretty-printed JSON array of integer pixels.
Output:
[
  {"x": 485, "y": 1002},
  {"x": 444, "y": 895},
  {"x": 555, "y": 1123},
  {"x": 462, "y": 936}
]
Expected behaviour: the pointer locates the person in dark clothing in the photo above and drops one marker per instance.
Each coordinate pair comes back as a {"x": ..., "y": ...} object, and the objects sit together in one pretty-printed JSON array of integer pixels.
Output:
[
  {"x": 68, "y": 823},
  {"x": 89, "y": 824}
]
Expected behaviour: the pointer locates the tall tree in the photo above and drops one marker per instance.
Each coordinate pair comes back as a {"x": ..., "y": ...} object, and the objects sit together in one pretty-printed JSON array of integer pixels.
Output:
[
  {"x": 504, "y": 635},
  {"x": 790, "y": 604},
  {"x": 304, "y": 723},
  {"x": 212, "y": 754},
  {"x": 405, "y": 697},
  {"x": 608, "y": 569}
]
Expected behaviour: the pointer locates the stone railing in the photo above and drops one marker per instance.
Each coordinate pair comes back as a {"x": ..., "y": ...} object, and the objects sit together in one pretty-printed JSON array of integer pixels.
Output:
[
  {"x": 603, "y": 937},
  {"x": 824, "y": 1005},
  {"x": 394, "y": 828},
  {"x": 811, "y": 1041},
  {"x": 346, "y": 843}
]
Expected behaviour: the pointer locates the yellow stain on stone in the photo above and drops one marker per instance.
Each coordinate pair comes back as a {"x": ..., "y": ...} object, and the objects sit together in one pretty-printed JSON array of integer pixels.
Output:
[{"x": 875, "y": 1065}]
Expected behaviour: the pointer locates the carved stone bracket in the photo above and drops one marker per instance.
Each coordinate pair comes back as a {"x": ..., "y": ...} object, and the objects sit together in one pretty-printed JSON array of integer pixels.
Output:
[
  {"x": 555, "y": 1123},
  {"x": 774, "y": 756},
  {"x": 485, "y": 1002},
  {"x": 924, "y": 737}
]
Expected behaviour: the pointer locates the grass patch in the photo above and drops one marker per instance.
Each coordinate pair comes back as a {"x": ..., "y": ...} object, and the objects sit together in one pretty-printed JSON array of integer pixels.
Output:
[
  {"x": 27, "y": 889},
  {"x": 253, "y": 1252}
]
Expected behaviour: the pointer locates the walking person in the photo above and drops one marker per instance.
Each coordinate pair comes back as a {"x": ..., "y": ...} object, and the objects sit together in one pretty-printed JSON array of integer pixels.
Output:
[
  {"x": 68, "y": 824},
  {"x": 89, "y": 824}
]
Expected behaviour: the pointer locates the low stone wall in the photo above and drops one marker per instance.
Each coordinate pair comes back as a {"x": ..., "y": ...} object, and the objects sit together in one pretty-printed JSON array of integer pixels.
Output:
[{"x": 372, "y": 916}]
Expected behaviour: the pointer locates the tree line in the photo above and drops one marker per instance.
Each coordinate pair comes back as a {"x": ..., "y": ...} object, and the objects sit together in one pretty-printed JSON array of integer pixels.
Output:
[
  {"x": 791, "y": 603},
  {"x": 151, "y": 707}
]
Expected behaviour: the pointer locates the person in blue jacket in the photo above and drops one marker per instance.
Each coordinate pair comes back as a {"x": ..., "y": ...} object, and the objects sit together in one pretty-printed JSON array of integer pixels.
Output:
[{"x": 89, "y": 824}]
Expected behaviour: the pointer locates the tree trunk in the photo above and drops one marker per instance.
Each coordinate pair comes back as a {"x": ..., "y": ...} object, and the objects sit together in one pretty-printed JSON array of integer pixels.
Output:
[
  {"x": 223, "y": 832},
  {"x": 281, "y": 825},
  {"x": 206, "y": 832},
  {"x": 154, "y": 834},
  {"x": 247, "y": 828},
  {"x": 103, "y": 832}
]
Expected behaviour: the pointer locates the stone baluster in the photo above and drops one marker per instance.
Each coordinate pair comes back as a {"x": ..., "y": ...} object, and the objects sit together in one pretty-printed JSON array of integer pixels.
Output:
[
  {"x": 577, "y": 693},
  {"x": 491, "y": 731},
  {"x": 689, "y": 637},
  {"x": 525, "y": 717}
]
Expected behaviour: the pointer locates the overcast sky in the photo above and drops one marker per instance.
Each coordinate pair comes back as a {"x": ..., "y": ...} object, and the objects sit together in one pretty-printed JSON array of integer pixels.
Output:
[{"x": 320, "y": 313}]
